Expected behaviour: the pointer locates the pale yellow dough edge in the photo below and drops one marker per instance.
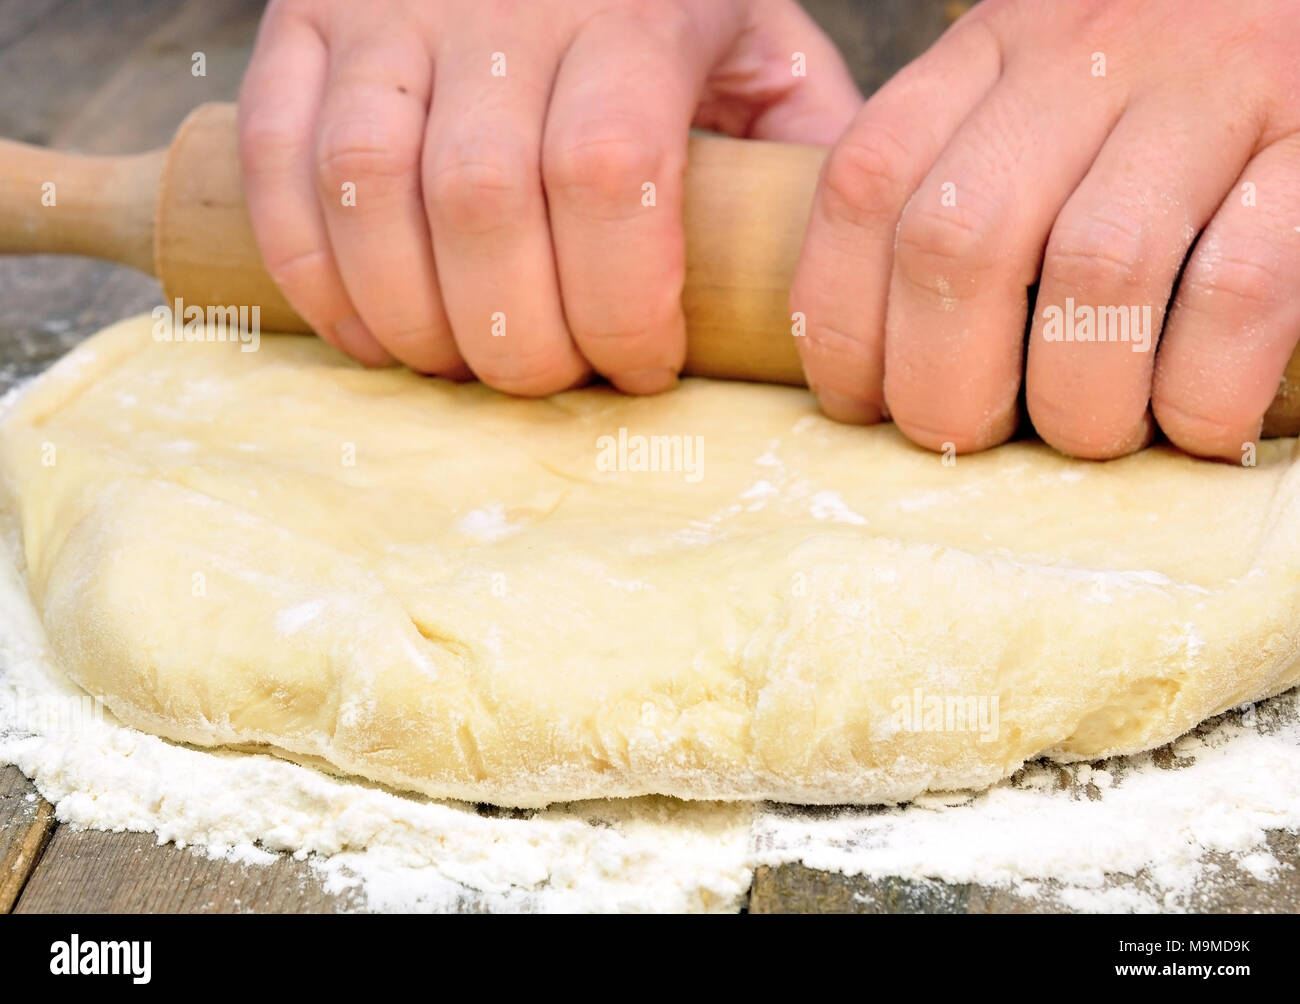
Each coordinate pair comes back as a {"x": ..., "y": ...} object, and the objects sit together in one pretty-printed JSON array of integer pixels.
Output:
[{"x": 472, "y": 610}]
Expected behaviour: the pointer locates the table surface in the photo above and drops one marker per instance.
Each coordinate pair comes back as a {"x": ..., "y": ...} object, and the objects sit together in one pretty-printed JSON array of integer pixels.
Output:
[{"x": 115, "y": 78}]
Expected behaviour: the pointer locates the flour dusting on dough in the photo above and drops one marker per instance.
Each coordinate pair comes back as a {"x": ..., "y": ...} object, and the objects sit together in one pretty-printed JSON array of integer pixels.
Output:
[
  {"x": 829, "y": 505},
  {"x": 1032, "y": 836},
  {"x": 294, "y": 618},
  {"x": 488, "y": 524},
  {"x": 1102, "y": 629}
]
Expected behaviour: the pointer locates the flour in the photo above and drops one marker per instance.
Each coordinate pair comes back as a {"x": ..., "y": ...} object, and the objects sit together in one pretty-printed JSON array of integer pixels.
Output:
[
  {"x": 487, "y": 524},
  {"x": 389, "y": 851},
  {"x": 396, "y": 852},
  {"x": 1133, "y": 819},
  {"x": 828, "y": 505},
  {"x": 294, "y": 618},
  {"x": 1053, "y": 834}
]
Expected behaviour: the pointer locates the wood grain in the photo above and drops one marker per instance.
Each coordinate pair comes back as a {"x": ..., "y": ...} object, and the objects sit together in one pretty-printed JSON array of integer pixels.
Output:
[
  {"x": 62, "y": 55},
  {"x": 157, "y": 84},
  {"x": 19, "y": 17},
  {"x": 48, "y": 305},
  {"x": 113, "y": 78},
  {"x": 1225, "y": 887},
  {"x": 90, "y": 871},
  {"x": 26, "y": 821},
  {"x": 794, "y": 888}
]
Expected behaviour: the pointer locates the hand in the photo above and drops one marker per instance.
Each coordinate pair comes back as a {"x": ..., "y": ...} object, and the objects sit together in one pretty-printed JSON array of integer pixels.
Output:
[
  {"x": 1003, "y": 149},
  {"x": 496, "y": 152}
]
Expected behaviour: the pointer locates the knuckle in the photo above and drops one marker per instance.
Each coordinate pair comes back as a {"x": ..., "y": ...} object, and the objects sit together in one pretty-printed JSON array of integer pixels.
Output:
[
  {"x": 1251, "y": 282},
  {"x": 605, "y": 165},
  {"x": 1094, "y": 437},
  {"x": 618, "y": 349},
  {"x": 1093, "y": 441},
  {"x": 475, "y": 188},
  {"x": 839, "y": 363},
  {"x": 354, "y": 150},
  {"x": 620, "y": 336},
  {"x": 1190, "y": 422},
  {"x": 530, "y": 374},
  {"x": 1097, "y": 253},
  {"x": 428, "y": 350},
  {"x": 403, "y": 337},
  {"x": 841, "y": 346},
  {"x": 264, "y": 138},
  {"x": 1089, "y": 444},
  {"x": 934, "y": 433},
  {"x": 936, "y": 247},
  {"x": 968, "y": 418},
  {"x": 826, "y": 343},
  {"x": 648, "y": 315},
  {"x": 301, "y": 271},
  {"x": 862, "y": 180}
]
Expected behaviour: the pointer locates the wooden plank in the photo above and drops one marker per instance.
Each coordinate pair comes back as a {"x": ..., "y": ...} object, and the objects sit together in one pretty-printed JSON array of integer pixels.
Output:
[
  {"x": 795, "y": 888},
  {"x": 1227, "y": 888},
  {"x": 156, "y": 81},
  {"x": 880, "y": 37},
  {"x": 90, "y": 871},
  {"x": 19, "y": 17},
  {"x": 48, "y": 304},
  {"x": 26, "y": 821},
  {"x": 115, "y": 77},
  {"x": 67, "y": 53}
]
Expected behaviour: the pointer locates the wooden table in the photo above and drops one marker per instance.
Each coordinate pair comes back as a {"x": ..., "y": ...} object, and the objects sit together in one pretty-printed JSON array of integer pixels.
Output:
[{"x": 115, "y": 78}]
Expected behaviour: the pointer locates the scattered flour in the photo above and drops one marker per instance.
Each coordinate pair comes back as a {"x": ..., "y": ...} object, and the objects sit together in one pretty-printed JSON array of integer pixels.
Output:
[
  {"x": 925, "y": 500},
  {"x": 1051, "y": 832},
  {"x": 292, "y": 619},
  {"x": 1132, "y": 818},
  {"x": 487, "y": 524},
  {"x": 829, "y": 505}
]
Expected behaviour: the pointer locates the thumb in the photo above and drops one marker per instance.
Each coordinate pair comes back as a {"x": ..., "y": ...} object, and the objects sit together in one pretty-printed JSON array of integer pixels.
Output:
[{"x": 782, "y": 80}]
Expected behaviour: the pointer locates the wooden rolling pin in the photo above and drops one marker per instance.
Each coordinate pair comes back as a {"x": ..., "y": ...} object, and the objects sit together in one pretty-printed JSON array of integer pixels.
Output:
[{"x": 179, "y": 214}]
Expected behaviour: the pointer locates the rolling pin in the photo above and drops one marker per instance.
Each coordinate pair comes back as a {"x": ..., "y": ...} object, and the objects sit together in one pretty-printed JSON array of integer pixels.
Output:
[{"x": 179, "y": 214}]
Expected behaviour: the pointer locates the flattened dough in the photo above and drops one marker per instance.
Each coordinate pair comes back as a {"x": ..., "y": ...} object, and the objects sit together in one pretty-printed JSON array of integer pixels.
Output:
[{"x": 471, "y": 609}]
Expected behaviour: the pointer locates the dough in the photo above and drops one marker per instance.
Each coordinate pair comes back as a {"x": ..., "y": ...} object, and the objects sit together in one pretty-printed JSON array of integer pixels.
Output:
[{"x": 439, "y": 588}]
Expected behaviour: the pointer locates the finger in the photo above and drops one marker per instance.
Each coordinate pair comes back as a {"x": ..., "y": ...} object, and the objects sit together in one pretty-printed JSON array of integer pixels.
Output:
[
  {"x": 760, "y": 91},
  {"x": 842, "y": 280},
  {"x": 1235, "y": 319},
  {"x": 277, "y": 118},
  {"x": 968, "y": 248},
  {"x": 1111, "y": 262},
  {"x": 613, "y": 166},
  {"x": 485, "y": 203},
  {"x": 368, "y": 142}
]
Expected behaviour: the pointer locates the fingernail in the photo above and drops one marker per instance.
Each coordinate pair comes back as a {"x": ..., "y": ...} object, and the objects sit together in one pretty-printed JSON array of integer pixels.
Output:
[
  {"x": 358, "y": 342},
  {"x": 853, "y": 410},
  {"x": 648, "y": 381}
]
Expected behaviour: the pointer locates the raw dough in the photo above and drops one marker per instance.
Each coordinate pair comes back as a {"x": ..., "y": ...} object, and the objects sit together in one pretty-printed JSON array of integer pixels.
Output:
[{"x": 434, "y": 587}]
